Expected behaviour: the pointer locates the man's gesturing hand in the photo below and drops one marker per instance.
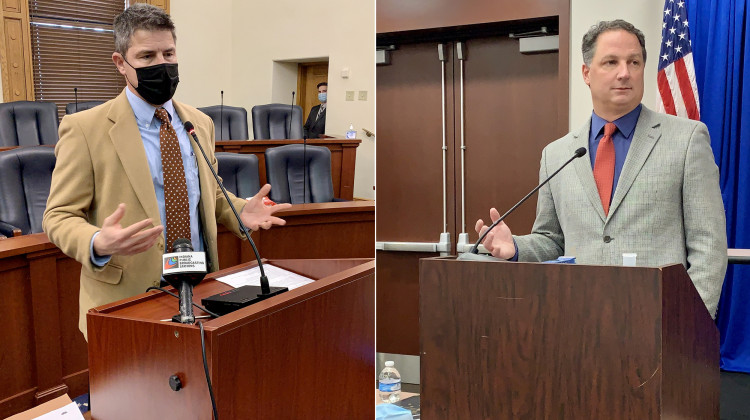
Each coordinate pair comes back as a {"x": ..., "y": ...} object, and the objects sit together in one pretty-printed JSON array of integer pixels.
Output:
[
  {"x": 257, "y": 215},
  {"x": 499, "y": 242},
  {"x": 113, "y": 239}
]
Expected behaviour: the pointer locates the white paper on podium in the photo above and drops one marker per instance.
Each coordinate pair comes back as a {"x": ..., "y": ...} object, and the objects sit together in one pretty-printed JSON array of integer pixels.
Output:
[
  {"x": 68, "y": 412},
  {"x": 277, "y": 277}
]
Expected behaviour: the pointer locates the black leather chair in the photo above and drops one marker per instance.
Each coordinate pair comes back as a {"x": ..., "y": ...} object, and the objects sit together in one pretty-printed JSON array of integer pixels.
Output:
[
  {"x": 230, "y": 122},
  {"x": 239, "y": 173},
  {"x": 271, "y": 122},
  {"x": 25, "y": 175},
  {"x": 285, "y": 173},
  {"x": 28, "y": 123},
  {"x": 74, "y": 107}
]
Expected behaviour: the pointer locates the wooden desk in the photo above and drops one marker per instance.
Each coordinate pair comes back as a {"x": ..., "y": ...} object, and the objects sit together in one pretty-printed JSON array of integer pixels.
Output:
[
  {"x": 343, "y": 158},
  {"x": 320, "y": 230},
  {"x": 43, "y": 355}
]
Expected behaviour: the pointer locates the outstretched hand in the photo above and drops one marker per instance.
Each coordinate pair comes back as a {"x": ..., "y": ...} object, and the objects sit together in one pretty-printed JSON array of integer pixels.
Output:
[
  {"x": 499, "y": 242},
  {"x": 113, "y": 239},
  {"x": 256, "y": 215}
]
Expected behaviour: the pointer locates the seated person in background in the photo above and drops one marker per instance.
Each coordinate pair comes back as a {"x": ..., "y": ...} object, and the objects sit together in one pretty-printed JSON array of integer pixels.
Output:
[{"x": 316, "y": 121}]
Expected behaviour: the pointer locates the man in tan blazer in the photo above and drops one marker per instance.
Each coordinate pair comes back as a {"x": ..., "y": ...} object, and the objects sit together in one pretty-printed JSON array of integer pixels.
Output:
[
  {"x": 106, "y": 206},
  {"x": 665, "y": 203}
]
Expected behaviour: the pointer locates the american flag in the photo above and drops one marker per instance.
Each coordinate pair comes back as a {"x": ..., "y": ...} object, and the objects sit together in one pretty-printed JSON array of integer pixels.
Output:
[{"x": 678, "y": 93}]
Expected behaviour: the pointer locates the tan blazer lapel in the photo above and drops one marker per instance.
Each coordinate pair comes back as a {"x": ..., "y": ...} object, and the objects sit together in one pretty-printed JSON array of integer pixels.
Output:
[
  {"x": 583, "y": 168},
  {"x": 647, "y": 132},
  {"x": 127, "y": 142}
]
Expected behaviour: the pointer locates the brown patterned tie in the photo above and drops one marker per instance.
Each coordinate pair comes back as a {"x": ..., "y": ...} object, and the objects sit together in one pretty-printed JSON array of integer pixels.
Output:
[{"x": 175, "y": 187}]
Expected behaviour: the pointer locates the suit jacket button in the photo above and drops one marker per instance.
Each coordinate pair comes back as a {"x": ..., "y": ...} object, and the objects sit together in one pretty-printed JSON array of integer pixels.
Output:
[{"x": 607, "y": 239}]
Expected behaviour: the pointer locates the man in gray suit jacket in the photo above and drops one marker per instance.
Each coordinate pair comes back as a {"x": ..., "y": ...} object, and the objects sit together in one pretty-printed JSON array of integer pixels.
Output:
[{"x": 663, "y": 200}]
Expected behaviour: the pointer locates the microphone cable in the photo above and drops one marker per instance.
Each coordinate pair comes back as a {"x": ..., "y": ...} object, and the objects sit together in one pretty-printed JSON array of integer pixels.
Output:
[
  {"x": 203, "y": 348},
  {"x": 205, "y": 369}
]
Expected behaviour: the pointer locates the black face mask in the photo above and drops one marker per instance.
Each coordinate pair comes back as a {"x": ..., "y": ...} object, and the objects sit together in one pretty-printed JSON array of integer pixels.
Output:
[{"x": 157, "y": 84}]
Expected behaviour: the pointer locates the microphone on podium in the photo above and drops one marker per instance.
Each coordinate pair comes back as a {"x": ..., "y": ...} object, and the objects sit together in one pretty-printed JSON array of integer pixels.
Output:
[
  {"x": 473, "y": 254},
  {"x": 184, "y": 268},
  {"x": 264, "y": 291}
]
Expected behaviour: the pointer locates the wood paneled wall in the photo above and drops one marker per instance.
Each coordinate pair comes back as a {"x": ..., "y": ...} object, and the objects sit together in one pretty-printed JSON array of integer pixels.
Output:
[
  {"x": 15, "y": 51},
  {"x": 400, "y": 16},
  {"x": 164, "y": 4}
]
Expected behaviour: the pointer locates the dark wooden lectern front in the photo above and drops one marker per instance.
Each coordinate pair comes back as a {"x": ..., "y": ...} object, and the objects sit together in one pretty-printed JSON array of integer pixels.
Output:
[
  {"x": 503, "y": 340},
  {"x": 306, "y": 354}
]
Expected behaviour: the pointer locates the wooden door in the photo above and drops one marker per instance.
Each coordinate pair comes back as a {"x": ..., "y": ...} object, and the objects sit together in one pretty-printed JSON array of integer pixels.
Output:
[
  {"x": 509, "y": 112},
  {"x": 409, "y": 183}
]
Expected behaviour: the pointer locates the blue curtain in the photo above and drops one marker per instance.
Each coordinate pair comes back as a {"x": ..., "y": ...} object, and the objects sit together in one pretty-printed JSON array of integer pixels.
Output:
[{"x": 720, "y": 34}]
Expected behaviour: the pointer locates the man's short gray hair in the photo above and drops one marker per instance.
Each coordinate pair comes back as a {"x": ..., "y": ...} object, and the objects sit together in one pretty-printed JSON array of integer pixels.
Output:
[
  {"x": 140, "y": 16},
  {"x": 588, "y": 46}
]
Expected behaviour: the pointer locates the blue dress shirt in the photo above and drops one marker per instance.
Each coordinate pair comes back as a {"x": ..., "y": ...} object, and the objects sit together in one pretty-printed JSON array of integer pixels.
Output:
[{"x": 149, "y": 126}]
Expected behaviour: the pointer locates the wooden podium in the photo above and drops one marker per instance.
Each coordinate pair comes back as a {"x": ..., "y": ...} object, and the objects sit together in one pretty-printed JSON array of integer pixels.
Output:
[
  {"x": 504, "y": 340},
  {"x": 308, "y": 353}
]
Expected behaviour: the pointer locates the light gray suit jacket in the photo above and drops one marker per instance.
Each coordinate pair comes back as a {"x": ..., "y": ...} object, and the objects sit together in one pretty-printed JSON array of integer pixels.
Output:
[{"x": 667, "y": 207}]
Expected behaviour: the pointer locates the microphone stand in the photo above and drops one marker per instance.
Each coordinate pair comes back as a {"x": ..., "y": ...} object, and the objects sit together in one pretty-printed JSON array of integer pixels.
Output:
[
  {"x": 75, "y": 92},
  {"x": 291, "y": 116},
  {"x": 475, "y": 249},
  {"x": 221, "y": 117},
  {"x": 265, "y": 290}
]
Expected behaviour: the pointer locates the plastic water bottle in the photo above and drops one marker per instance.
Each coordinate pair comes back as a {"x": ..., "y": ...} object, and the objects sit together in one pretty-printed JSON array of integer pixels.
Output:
[
  {"x": 389, "y": 384},
  {"x": 351, "y": 133}
]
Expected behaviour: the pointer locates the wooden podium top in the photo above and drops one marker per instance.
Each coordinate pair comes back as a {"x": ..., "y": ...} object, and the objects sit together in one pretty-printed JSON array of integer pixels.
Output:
[
  {"x": 281, "y": 142},
  {"x": 155, "y": 306}
]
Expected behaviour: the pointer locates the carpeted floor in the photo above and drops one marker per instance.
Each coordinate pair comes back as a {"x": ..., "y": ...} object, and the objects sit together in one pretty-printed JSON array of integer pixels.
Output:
[{"x": 735, "y": 396}]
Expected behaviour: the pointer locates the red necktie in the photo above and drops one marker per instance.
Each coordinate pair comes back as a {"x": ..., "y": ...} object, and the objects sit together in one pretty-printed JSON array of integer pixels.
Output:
[
  {"x": 604, "y": 166},
  {"x": 175, "y": 187}
]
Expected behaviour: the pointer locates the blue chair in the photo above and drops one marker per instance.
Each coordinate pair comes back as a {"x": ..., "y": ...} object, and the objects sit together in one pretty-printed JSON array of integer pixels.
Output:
[
  {"x": 285, "y": 171},
  {"x": 271, "y": 122},
  {"x": 230, "y": 122},
  {"x": 28, "y": 123},
  {"x": 239, "y": 173},
  {"x": 25, "y": 177},
  {"x": 74, "y": 107}
]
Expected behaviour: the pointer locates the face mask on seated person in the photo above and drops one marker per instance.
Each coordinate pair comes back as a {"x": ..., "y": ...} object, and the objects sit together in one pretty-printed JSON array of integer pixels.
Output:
[{"x": 157, "y": 83}]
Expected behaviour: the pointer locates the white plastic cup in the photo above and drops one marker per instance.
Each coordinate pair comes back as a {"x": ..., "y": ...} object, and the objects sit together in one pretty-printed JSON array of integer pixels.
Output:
[{"x": 628, "y": 259}]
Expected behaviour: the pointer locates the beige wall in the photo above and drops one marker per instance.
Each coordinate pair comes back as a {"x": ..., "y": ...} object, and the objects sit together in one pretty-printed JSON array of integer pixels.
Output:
[
  {"x": 204, "y": 50},
  {"x": 250, "y": 50},
  {"x": 644, "y": 14}
]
